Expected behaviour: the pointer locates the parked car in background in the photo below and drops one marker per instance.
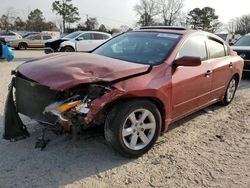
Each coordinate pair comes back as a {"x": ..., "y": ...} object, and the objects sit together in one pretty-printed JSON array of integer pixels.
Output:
[
  {"x": 79, "y": 41},
  {"x": 31, "y": 41},
  {"x": 242, "y": 47},
  {"x": 229, "y": 37},
  {"x": 10, "y": 35},
  {"x": 29, "y": 33},
  {"x": 136, "y": 84}
]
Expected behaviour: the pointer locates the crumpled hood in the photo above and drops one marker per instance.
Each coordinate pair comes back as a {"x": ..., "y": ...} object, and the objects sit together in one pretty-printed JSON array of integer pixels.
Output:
[{"x": 61, "y": 71}]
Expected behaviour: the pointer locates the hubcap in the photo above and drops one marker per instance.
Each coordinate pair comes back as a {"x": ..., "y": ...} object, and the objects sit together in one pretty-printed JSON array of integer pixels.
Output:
[
  {"x": 231, "y": 90},
  {"x": 138, "y": 129}
]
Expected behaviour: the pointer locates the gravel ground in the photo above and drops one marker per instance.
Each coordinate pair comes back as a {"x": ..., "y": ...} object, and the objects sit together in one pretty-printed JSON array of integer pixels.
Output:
[{"x": 207, "y": 149}]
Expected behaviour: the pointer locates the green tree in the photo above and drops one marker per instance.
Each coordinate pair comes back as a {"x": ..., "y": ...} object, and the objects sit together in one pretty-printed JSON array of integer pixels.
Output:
[
  {"x": 91, "y": 24},
  {"x": 19, "y": 24},
  {"x": 102, "y": 28},
  {"x": 66, "y": 10},
  {"x": 204, "y": 19},
  {"x": 35, "y": 20},
  {"x": 5, "y": 23},
  {"x": 50, "y": 26}
]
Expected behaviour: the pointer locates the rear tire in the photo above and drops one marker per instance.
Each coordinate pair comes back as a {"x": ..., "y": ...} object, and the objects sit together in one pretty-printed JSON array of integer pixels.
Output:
[
  {"x": 67, "y": 49},
  {"x": 132, "y": 127},
  {"x": 230, "y": 92}
]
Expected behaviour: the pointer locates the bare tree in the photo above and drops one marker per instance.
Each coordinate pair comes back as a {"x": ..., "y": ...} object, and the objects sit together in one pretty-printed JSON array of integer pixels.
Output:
[
  {"x": 147, "y": 10},
  {"x": 232, "y": 24},
  {"x": 239, "y": 25},
  {"x": 170, "y": 10}
]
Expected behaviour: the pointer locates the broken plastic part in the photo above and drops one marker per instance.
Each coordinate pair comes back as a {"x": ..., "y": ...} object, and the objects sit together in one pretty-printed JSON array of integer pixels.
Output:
[
  {"x": 14, "y": 129},
  {"x": 67, "y": 106}
]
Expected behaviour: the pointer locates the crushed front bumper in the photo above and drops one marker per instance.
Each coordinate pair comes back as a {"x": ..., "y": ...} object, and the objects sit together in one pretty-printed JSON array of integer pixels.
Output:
[{"x": 30, "y": 99}]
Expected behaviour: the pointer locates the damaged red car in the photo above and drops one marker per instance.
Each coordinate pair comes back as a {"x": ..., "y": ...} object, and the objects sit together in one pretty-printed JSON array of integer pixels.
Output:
[{"x": 135, "y": 84}]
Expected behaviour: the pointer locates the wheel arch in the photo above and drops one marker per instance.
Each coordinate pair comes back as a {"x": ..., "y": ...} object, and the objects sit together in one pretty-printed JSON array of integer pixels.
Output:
[
  {"x": 68, "y": 46},
  {"x": 159, "y": 104},
  {"x": 24, "y": 43}
]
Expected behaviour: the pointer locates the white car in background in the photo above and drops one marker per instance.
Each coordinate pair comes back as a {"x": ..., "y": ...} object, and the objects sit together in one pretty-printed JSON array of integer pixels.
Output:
[
  {"x": 79, "y": 41},
  {"x": 10, "y": 35}
]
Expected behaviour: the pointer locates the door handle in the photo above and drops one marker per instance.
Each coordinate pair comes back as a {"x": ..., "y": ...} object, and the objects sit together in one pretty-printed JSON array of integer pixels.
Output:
[
  {"x": 231, "y": 65},
  {"x": 208, "y": 73}
]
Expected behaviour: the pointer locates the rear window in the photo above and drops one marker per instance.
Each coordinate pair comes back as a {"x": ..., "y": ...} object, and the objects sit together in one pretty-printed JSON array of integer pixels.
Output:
[
  {"x": 98, "y": 36},
  {"x": 47, "y": 37}
]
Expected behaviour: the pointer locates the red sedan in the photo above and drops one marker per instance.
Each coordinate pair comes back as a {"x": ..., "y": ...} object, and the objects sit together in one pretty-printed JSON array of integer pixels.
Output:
[{"x": 135, "y": 84}]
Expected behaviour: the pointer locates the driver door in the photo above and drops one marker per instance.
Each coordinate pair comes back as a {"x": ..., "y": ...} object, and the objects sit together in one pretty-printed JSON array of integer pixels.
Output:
[{"x": 191, "y": 86}]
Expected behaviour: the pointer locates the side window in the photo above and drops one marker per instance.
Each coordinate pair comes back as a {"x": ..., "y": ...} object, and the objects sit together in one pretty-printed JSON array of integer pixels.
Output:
[
  {"x": 195, "y": 47},
  {"x": 105, "y": 37},
  {"x": 36, "y": 37},
  {"x": 11, "y": 34},
  {"x": 47, "y": 37},
  {"x": 87, "y": 36},
  {"x": 216, "y": 49},
  {"x": 98, "y": 36}
]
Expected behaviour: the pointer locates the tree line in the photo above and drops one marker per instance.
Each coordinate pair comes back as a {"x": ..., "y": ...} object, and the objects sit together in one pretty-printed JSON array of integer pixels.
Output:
[
  {"x": 65, "y": 9},
  {"x": 170, "y": 13},
  {"x": 34, "y": 22},
  {"x": 149, "y": 12}
]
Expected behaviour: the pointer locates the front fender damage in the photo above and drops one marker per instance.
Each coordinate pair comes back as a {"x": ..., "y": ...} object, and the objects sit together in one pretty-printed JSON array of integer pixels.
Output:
[{"x": 14, "y": 129}]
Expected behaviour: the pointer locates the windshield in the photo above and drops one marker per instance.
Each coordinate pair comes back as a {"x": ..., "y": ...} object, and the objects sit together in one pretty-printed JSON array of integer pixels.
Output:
[
  {"x": 243, "y": 41},
  {"x": 72, "y": 35},
  {"x": 150, "y": 48}
]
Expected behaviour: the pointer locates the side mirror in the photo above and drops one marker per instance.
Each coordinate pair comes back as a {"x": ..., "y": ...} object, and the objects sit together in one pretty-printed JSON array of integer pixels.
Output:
[
  {"x": 188, "y": 61},
  {"x": 231, "y": 44},
  {"x": 80, "y": 38}
]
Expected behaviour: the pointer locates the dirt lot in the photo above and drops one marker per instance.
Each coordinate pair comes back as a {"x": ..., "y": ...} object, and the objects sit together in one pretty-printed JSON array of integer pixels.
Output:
[{"x": 208, "y": 149}]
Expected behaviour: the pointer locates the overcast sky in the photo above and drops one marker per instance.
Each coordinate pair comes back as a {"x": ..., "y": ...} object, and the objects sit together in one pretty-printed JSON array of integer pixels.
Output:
[{"x": 114, "y": 13}]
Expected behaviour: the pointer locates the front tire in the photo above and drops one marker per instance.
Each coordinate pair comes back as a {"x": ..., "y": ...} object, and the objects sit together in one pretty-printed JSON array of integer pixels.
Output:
[
  {"x": 132, "y": 127},
  {"x": 22, "y": 46},
  {"x": 230, "y": 92},
  {"x": 67, "y": 49}
]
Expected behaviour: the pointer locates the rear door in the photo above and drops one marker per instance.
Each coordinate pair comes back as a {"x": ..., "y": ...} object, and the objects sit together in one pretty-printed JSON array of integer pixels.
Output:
[
  {"x": 221, "y": 65},
  {"x": 35, "y": 41},
  {"x": 191, "y": 86},
  {"x": 45, "y": 38}
]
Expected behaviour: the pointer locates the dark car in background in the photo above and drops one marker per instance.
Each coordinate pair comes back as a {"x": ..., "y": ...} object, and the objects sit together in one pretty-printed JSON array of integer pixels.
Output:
[{"x": 242, "y": 47}]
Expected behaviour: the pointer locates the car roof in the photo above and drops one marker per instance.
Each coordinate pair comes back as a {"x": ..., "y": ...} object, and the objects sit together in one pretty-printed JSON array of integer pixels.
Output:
[
  {"x": 176, "y": 30},
  {"x": 92, "y": 32}
]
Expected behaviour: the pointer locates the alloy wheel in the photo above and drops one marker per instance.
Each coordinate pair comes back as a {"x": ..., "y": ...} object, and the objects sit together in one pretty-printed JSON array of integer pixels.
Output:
[{"x": 138, "y": 129}]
